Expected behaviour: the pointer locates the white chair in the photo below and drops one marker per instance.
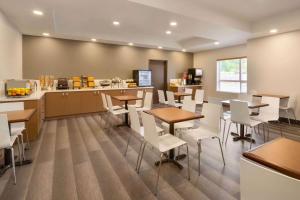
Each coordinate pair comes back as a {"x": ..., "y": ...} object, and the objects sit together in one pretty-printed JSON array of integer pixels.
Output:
[
  {"x": 209, "y": 128},
  {"x": 188, "y": 105},
  {"x": 268, "y": 113},
  {"x": 135, "y": 125},
  {"x": 162, "y": 143},
  {"x": 7, "y": 142},
  {"x": 291, "y": 106},
  {"x": 171, "y": 99},
  {"x": 139, "y": 103},
  {"x": 117, "y": 112},
  {"x": 188, "y": 91},
  {"x": 105, "y": 104},
  {"x": 16, "y": 128},
  {"x": 147, "y": 102},
  {"x": 199, "y": 96},
  {"x": 240, "y": 115},
  {"x": 161, "y": 97}
]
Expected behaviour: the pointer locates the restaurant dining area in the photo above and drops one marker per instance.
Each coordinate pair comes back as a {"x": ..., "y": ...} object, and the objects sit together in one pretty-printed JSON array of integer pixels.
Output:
[{"x": 140, "y": 100}]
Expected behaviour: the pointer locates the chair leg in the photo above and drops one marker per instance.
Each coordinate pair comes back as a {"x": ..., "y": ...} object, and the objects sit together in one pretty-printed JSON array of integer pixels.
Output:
[
  {"x": 19, "y": 150},
  {"x": 23, "y": 148},
  {"x": 139, "y": 154},
  {"x": 251, "y": 137},
  {"x": 141, "y": 158},
  {"x": 128, "y": 140},
  {"x": 188, "y": 161},
  {"x": 158, "y": 172},
  {"x": 27, "y": 140},
  {"x": 228, "y": 132},
  {"x": 199, "y": 152},
  {"x": 268, "y": 129},
  {"x": 221, "y": 150},
  {"x": 295, "y": 118},
  {"x": 288, "y": 116},
  {"x": 264, "y": 132},
  {"x": 13, "y": 165},
  {"x": 224, "y": 127}
]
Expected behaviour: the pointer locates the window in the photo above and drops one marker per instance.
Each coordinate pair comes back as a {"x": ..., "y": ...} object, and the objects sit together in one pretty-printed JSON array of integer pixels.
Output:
[{"x": 232, "y": 75}]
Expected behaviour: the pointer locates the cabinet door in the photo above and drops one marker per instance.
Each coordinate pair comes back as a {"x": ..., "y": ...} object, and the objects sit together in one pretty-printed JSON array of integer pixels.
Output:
[
  {"x": 89, "y": 102},
  {"x": 55, "y": 104},
  {"x": 73, "y": 103}
]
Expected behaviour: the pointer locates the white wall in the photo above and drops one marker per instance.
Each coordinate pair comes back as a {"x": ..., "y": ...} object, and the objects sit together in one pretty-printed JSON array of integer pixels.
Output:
[
  {"x": 273, "y": 65},
  {"x": 207, "y": 61},
  {"x": 10, "y": 52}
]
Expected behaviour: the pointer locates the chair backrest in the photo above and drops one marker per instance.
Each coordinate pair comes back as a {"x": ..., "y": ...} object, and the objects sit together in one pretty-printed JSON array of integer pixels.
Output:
[
  {"x": 104, "y": 102},
  {"x": 212, "y": 114},
  {"x": 4, "y": 132},
  {"x": 150, "y": 133},
  {"x": 188, "y": 90},
  {"x": 292, "y": 102},
  {"x": 140, "y": 94},
  {"x": 109, "y": 103},
  {"x": 199, "y": 95},
  {"x": 134, "y": 119},
  {"x": 189, "y": 105},
  {"x": 161, "y": 96},
  {"x": 239, "y": 112},
  {"x": 272, "y": 109},
  {"x": 214, "y": 100},
  {"x": 171, "y": 99},
  {"x": 13, "y": 106},
  {"x": 148, "y": 100}
]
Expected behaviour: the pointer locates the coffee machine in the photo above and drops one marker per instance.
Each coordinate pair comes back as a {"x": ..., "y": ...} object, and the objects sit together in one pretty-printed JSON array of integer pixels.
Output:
[{"x": 194, "y": 76}]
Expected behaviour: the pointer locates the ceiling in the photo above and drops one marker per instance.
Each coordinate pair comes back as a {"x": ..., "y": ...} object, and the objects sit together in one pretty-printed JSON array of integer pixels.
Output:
[{"x": 144, "y": 22}]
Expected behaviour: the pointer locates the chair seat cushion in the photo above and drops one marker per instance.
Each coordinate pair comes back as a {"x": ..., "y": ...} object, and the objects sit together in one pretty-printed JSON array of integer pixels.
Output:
[
  {"x": 167, "y": 142},
  {"x": 201, "y": 133},
  {"x": 119, "y": 112},
  {"x": 180, "y": 125}
]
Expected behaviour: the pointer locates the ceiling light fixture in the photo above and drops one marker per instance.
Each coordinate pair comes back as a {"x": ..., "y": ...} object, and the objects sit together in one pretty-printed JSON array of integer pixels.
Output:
[
  {"x": 93, "y": 40},
  {"x": 46, "y": 34},
  {"x": 168, "y": 32},
  {"x": 37, "y": 12},
  {"x": 184, "y": 50},
  {"x": 173, "y": 24},
  {"x": 273, "y": 30},
  {"x": 216, "y": 43},
  {"x": 160, "y": 47},
  {"x": 130, "y": 44},
  {"x": 116, "y": 23}
]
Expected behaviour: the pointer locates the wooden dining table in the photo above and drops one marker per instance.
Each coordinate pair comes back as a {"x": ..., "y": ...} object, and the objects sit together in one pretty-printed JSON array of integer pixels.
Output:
[
  {"x": 272, "y": 95},
  {"x": 126, "y": 99},
  {"x": 172, "y": 115},
  {"x": 178, "y": 95},
  {"x": 242, "y": 135},
  {"x": 15, "y": 117}
]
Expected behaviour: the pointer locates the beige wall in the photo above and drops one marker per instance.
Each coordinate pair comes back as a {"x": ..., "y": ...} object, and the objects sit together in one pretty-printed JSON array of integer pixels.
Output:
[
  {"x": 10, "y": 50},
  {"x": 207, "y": 61},
  {"x": 65, "y": 58}
]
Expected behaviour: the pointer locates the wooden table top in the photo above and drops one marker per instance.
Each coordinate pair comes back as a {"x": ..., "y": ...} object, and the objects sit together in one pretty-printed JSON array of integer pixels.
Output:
[
  {"x": 19, "y": 115},
  {"x": 126, "y": 98},
  {"x": 251, "y": 105},
  {"x": 173, "y": 115},
  {"x": 272, "y": 95},
  {"x": 180, "y": 94},
  {"x": 282, "y": 155}
]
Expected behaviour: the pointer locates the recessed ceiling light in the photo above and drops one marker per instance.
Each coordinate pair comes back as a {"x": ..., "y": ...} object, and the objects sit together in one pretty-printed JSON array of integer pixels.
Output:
[
  {"x": 184, "y": 50},
  {"x": 116, "y": 23},
  {"x": 46, "y": 34},
  {"x": 216, "y": 43},
  {"x": 273, "y": 30},
  {"x": 160, "y": 47},
  {"x": 37, "y": 12},
  {"x": 168, "y": 32},
  {"x": 93, "y": 40},
  {"x": 130, "y": 44},
  {"x": 173, "y": 24}
]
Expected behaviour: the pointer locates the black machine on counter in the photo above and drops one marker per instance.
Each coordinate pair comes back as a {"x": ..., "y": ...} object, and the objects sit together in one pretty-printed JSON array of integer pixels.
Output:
[
  {"x": 62, "y": 84},
  {"x": 194, "y": 76},
  {"x": 143, "y": 78}
]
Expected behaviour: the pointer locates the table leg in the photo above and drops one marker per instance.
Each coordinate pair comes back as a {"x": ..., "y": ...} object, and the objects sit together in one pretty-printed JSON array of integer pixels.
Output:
[
  {"x": 126, "y": 114},
  {"x": 179, "y": 99},
  {"x": 242, "y": 135},
  {"x": 171, "y": 158}
]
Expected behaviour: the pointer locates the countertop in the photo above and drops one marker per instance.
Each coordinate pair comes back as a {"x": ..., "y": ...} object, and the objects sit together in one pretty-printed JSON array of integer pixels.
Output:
[
  {"x": 39, "y": 94},
  {"x": 200, "y": 85}
]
